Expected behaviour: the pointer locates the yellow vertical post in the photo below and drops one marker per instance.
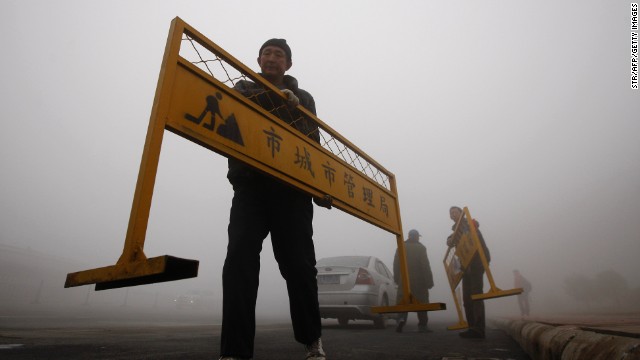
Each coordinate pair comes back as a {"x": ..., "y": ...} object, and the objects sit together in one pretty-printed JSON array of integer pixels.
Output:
[
  {"x": 408, "y": 301},
  {"x": 454, "y": 276},
  {"x": 481, "y": 254},
  {"x": 141, "y": 206},
  {"x": 402, "y": 251},
  {"x": 404, "y": 270},
  {"x": 133, "y": 267},
  {"x": 462, "y": 323}
]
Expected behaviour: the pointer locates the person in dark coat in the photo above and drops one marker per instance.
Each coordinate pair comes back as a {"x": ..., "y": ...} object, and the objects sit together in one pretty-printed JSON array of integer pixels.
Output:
[
  {"x": 520, "y": 281},
  {"x": 420, "y": 278}
]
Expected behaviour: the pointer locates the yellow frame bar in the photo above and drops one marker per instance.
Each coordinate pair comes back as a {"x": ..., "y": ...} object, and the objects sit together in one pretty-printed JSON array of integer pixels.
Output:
[{"x": 454, "y": 280}]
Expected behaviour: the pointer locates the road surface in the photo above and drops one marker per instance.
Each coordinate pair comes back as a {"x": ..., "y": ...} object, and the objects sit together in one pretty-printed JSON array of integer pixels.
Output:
[{"x": 59, "y": 337}]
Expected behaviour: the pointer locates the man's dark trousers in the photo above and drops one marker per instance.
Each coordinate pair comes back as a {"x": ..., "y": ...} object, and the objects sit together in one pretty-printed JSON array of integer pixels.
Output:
[
  {"x": 262, "y": 205},
  {"x": 472, "y": 284}
]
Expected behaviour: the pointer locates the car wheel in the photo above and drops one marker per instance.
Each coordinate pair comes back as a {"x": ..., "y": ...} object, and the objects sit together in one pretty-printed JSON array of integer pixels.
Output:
[
  {"x": 343, "y": 321},
  {"x": 380, "y": 322}
]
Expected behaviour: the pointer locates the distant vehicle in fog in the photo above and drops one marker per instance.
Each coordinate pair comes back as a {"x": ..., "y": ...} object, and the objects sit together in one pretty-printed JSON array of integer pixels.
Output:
[
  {"x": 348, "y": 286},
  {"x": 187, "y": 301}
]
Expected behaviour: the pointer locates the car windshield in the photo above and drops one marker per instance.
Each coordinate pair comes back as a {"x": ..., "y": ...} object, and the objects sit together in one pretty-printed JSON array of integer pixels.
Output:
[{"x": 361, "y": 261}]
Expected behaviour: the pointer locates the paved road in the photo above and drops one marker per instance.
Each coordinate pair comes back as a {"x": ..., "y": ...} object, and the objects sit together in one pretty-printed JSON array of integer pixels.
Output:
[{"x": 89, "y": 339}]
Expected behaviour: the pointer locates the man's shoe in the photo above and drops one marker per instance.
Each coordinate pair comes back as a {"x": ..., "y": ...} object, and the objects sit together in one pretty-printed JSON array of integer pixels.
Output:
[
  {"x": 424, "y": 329},
  {"x": 315, "y": 351},
  {"x": 400, "y": 326},
  {"x": 471, "y": 334}
]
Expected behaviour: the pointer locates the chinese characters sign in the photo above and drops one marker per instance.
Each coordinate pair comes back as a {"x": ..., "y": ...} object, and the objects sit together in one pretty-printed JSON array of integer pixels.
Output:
[{"x": 218, "y": 117}]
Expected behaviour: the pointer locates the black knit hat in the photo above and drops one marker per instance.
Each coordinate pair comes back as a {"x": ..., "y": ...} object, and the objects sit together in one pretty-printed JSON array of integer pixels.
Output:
[{"x": 281, "y": 43}]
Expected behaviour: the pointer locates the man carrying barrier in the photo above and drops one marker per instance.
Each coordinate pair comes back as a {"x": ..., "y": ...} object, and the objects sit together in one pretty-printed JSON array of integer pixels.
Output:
[
  {"x": 196, "y": 99},
  {"x": 467, "y": 260}
]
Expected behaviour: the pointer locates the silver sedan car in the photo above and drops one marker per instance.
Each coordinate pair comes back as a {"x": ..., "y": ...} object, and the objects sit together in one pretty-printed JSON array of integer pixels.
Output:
[{"x": 348, "y": 286}]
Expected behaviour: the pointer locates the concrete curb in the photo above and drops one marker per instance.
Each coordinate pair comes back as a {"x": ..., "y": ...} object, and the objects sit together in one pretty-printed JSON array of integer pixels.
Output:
[{"x": 547, "y": 342}]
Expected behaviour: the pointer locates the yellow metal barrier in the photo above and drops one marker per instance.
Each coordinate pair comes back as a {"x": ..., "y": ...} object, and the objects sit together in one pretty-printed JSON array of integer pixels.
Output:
[
  {"x": 195, "y": 99},
  {"x": 457, "y": 258}
]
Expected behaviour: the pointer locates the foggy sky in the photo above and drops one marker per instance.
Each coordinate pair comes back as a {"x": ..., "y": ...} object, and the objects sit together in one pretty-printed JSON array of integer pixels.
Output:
[{"x": 521, "y": 111}]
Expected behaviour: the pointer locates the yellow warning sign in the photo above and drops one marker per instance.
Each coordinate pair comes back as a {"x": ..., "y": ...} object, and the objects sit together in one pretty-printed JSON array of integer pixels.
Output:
[{"x": 219, "y": 117}]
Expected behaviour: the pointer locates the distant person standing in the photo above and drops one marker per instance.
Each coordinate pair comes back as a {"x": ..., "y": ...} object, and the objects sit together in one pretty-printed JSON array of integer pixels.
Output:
[
  {"x": 472, "y": 281},
  {"x": 420, "y": 278},
  {"x": 520, "y": 281}
]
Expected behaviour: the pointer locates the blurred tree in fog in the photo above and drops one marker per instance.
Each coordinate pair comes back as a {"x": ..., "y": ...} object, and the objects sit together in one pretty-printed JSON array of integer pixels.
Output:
[
  {"x": 580, "y": 288},
  {"x": 612, "y": 285},
  {"x": 633, "y": 299},
  {"x": 608, "y": 285}
]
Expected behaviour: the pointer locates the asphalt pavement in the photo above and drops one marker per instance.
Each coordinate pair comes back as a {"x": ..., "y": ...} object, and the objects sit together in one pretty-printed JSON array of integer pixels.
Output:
[{"x": 87, "y": 336}]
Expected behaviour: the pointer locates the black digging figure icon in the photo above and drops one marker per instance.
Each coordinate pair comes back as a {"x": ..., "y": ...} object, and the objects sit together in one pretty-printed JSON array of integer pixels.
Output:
[{"x": 228, "y": 130}]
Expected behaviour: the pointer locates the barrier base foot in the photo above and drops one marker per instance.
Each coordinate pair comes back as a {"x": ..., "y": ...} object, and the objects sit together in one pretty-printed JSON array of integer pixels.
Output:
[
  {"x": 408, "y": 308},
  {"x": 458, "y": 326},
  {"x": 148, "y": 271},
  {"x": 496, "y": 294}
]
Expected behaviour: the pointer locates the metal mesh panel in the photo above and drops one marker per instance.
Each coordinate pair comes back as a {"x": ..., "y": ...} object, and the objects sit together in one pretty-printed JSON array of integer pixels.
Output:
[{"x": 230, "y": 74}]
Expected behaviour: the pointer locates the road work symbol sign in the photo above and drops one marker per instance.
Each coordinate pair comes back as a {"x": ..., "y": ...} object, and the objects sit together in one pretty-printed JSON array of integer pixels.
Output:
[{"x": 228, "y": 129}]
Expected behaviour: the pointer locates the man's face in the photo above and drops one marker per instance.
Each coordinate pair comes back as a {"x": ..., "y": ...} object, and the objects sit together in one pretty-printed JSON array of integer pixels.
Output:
[
  {"x": 454, "y": 213},
  {"x": 273, "y": 62}
]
